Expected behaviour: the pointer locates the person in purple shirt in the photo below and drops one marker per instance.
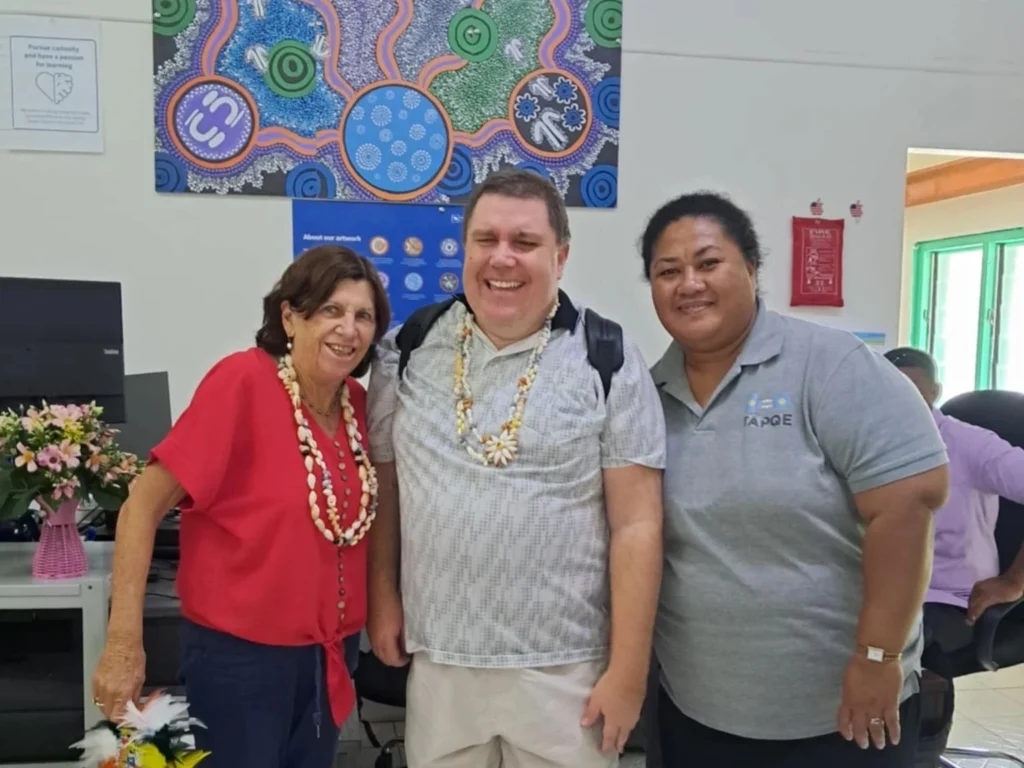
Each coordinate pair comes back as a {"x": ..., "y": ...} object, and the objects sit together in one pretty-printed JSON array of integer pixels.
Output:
[{"x": 982, "y": 467}]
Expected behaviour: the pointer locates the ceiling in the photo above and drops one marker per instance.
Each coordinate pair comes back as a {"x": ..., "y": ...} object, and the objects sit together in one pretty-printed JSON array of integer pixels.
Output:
[{"x": 918, "y": 160}]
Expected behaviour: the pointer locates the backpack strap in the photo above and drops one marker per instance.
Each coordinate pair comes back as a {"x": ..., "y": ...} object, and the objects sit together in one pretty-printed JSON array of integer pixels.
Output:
[
  {"x": 604, "y": 340},
  {"x": 604, "y": 347},
  {"x": 415, "y": 329}
]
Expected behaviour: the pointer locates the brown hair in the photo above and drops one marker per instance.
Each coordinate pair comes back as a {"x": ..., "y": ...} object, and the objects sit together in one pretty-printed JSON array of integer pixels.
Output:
[
  {"x": 522, "y": 185},
  {"x": 308, "y": 283}
]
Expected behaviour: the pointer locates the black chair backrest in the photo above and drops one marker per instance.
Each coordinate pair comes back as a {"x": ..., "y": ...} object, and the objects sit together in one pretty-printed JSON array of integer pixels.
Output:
[{"x": 1003, "y": 413}]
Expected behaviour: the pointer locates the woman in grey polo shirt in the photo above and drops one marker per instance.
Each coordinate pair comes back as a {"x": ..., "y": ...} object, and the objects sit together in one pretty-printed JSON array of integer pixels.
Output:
[{"x": 802, "y": 474}]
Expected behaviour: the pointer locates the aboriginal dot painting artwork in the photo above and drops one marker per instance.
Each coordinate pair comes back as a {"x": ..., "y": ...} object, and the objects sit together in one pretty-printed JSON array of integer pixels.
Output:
[{"x": 386, "y": 100}]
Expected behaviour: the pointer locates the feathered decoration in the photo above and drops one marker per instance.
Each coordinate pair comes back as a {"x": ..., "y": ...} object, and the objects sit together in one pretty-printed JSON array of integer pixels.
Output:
[
  {"x": 100, "y": 746},
  {"x": 156, "y": 735}
]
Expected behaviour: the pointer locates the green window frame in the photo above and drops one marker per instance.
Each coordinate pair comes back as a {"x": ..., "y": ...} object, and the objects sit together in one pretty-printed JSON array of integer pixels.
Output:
[{"x": 926, "y": 273}]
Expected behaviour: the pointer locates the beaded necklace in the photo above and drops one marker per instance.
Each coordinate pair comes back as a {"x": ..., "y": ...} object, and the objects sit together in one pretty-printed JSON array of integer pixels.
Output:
[
  {"x": 332, "y": 529},
  {"x": 495, "y": 450}
]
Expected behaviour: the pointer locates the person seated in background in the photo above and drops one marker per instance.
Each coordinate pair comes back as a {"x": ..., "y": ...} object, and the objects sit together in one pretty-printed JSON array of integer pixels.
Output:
[
  {"x": 277, "y": 495},
  {"x": 530, "y": 505},
  {"x": 965, "y": 572},
  {"x": 801, "y": 479}
]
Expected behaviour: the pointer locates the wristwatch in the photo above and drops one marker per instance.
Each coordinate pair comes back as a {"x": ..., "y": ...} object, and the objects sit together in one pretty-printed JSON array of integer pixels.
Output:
[{"x": 877, "y": 655}]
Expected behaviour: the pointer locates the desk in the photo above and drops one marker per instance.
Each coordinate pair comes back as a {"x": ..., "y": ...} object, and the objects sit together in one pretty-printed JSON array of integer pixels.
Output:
[{"x": 90, "y": 594}]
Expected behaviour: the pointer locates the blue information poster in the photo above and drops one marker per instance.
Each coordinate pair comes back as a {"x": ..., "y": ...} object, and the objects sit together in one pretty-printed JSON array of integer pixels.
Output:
[{"x": 417, "y": 249}]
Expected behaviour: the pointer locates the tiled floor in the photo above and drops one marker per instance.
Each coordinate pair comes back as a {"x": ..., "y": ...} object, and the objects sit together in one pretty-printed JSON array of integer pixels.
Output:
[{"x": 989, "y": 714}]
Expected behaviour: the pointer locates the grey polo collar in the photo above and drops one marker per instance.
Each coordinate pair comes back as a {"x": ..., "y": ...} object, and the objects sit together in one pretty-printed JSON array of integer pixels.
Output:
[
  {"x": 763, "y": 344},
  {"x": 566, "y": 316},
  {"x": 765, "y": 339}
]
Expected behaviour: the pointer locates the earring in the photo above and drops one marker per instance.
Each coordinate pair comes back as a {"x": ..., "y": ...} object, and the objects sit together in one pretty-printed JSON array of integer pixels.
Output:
[{"x": 289, "y": 345}]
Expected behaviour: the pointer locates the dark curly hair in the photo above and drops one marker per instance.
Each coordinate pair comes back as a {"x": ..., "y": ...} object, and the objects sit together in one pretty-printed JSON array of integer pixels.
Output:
[
  {"x": 308, "y": 283},
  {"x": 734, "y": 221}
]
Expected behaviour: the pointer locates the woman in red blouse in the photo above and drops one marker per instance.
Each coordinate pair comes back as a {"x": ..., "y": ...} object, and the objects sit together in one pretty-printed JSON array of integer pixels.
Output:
[{"x": 277, "y": 494}]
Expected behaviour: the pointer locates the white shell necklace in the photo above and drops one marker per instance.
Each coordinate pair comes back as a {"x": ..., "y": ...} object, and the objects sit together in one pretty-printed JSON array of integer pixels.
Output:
[
  {"x": 312, "y": 456},
  {"x": 494, "y": 450}
]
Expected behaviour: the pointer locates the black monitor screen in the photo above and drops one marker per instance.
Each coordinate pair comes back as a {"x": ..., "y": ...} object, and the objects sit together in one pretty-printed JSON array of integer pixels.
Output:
[{"x": 61, "y": 341}]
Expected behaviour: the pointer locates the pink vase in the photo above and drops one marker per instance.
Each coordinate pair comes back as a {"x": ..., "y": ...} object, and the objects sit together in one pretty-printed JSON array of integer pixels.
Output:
[{"x": 60, "y": 553}]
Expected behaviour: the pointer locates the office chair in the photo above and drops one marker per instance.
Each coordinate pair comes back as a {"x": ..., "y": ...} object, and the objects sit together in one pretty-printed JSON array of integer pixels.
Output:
[
  {"x": 380, "y": 698},
  {"x": 999, "y": 633}
]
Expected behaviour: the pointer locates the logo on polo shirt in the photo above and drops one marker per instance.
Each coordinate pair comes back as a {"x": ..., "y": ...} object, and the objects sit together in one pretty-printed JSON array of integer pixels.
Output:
[{"x": 775, "y": 411}]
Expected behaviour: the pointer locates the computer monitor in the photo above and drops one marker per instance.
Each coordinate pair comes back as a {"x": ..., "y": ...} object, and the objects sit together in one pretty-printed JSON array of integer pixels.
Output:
[
  {"x": 61, "y": 341},
  {"x": 147, "y": 406},
  {"x": 147, "y": 421}
]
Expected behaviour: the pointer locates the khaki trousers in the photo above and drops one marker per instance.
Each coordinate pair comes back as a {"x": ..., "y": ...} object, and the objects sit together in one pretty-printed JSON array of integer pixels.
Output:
[{"x": 458, "y": 717}]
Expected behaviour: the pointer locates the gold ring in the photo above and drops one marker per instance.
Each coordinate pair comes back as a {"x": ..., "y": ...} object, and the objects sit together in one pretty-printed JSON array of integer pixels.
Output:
[{"x": 876, "y": 721}]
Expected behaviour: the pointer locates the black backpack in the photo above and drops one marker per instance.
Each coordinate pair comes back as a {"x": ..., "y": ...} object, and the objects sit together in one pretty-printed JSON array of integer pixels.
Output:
[{"x": 604, "y": 339}]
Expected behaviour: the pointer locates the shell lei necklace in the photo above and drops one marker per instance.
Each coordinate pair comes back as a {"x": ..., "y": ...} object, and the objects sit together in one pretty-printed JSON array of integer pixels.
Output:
[
  {"x": 332, "y": 529},
  {"x": 494, "y": 450}
]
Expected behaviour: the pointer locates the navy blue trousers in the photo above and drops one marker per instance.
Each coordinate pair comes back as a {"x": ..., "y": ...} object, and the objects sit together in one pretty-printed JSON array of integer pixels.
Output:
[
  {"x": 263, "y": 706},
  {"x": 685, "y": 743}
]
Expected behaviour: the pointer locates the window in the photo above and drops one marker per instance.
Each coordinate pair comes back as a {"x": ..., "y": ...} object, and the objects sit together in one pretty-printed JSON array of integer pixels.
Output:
[{"x": 968, "y": 295}]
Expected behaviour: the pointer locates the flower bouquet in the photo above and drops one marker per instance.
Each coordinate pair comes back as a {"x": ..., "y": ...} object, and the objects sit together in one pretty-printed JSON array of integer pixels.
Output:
[{"x": 59, "y": 456}]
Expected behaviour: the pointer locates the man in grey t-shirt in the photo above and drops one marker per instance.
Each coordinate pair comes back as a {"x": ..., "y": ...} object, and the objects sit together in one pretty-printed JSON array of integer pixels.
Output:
[{"x": 530, "y": 537}]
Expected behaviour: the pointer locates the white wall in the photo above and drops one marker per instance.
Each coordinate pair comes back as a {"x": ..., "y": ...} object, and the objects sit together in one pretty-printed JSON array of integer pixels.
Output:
[
  {"x": 777, "y": 103},
  {"x": 969, "y": 215}
]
